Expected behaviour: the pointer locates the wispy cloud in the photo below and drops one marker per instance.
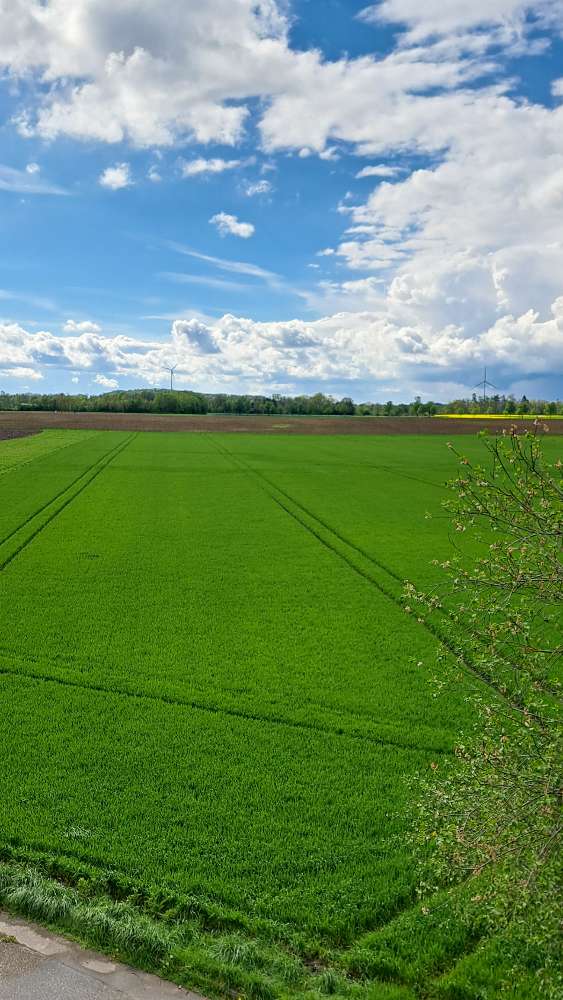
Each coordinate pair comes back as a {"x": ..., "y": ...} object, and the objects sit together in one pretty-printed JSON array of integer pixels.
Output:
[
  {"x": 31, "y": 300},
  {"x": 234, "y": 266},
  {"x": 251, "y": 188},
  {"x": 27, "y": 182},
  {"x": 201, "y": 279}
]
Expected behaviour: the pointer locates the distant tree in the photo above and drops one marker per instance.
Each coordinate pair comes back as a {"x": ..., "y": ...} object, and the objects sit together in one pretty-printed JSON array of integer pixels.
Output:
[
  {"x": 523, "y": 406},
  {"x": 344, "y": 406}
]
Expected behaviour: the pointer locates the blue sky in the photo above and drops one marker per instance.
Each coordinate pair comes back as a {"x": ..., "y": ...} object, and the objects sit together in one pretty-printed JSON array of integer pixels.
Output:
[{"x": 179, "y": 184}]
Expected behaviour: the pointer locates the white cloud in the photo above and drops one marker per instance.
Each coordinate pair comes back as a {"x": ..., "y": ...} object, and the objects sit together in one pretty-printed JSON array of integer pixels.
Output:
[
  {"x": 452, "y": 265},
  {"x": 20, "y": 371},
  {"x": 116, "y": 177},
  {"x": 357, "y": 347},
  {"x": 234, "y": 266},
  {"x": 158, "y": 75},
  {"x": 26, "y": 182},
  {"x": 75, "y": 379},
  {"x": 252, "y": 188},
  {"x": 201, "y": 166},
  {"x": 107, "y": 383},
  {"x": 481, "y": 231},
  {"x": 141, "y": 71},
  {"x": 192, "y": 336},
  {"x": 434, "y": 17},
  {"x": 377, "y": 170},
  {"x": 85, "y": 326},
  {"x": 32, "y": 168},
  {"x": 230, "y": 224},
  {"x": 374, "y": 105},
  {"x": 202, "y": 279},
  {"x": 154, "y": 175},
  {"x": 331, "y": 153}
]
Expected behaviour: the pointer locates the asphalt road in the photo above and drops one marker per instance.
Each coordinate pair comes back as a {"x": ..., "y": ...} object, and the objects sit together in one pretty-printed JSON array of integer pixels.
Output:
[{"x": 38, "y": 965}]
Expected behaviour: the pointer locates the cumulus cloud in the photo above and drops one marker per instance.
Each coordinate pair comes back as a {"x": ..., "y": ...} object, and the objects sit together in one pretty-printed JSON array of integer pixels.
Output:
[
  {"x": 84, "y": 326},
  {"x": 193, "y": 336},
  {"x": 32, "y": 168},
  {"x": 149, "y": 73},
  {"x": 107, "y": 383},
  {"x": 116, "y": 177},
  {"x": 157, "y": 75},
  {"x": 154, "y": 175},
  {"x": 436, "y": 18},
  {"x": 477, "y": 235},
  {"x": 372, "y": 346},
  {"x": 252, "y": 188},
  {"x": 21, "y": 372},
  {"x": 199, "y": 166},
  {"x": 230, "y": 224},
  {"x": 377, "y": 170}
]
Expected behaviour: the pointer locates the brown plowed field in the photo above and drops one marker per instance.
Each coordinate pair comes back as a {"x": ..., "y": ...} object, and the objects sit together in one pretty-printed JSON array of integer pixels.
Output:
[
  {"x": 15, "y": 423},
  {"x": 6, "y": 433}
]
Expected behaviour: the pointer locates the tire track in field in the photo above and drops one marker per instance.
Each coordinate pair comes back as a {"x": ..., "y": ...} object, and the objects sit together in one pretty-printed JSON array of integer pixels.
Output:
[
  {"x": 52, "y": 499},
  {"x": 373, "y": 465},
  {"x": 408, "y": 475},
  {"x": 354, "y": 556},
  {"x": 75, "y": 664},
  {"x": 98, "y": 467},
  {"x": 270, "y": 485},
  {"x": 439, "y": 611},
  {"x": 194, "y": 704}
]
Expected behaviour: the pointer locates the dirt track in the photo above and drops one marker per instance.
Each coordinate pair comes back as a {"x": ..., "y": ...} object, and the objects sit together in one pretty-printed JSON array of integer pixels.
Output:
[{"x": 16, "y": 423}]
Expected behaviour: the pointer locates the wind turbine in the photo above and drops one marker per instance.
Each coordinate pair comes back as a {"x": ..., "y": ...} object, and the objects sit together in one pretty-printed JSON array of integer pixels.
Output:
[
  {"x": 485, "y": 382},
  {"x": 171, "y": 369}
]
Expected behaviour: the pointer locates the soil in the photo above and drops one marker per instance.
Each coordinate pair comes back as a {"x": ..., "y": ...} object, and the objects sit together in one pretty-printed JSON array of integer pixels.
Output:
[
  {"x": 6, "y": 433},
  {"x": 16, "y": 423}
]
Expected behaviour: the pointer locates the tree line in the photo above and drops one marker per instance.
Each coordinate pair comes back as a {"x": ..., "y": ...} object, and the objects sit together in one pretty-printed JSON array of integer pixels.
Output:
[{"x": 319, "y": 404}]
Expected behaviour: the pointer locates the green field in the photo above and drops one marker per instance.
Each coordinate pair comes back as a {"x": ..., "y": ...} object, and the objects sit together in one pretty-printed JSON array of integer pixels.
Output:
[{"x": 213, "y": 700}]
